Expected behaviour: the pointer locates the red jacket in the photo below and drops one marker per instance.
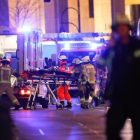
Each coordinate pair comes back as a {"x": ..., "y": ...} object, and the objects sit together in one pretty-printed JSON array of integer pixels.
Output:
[{"x": 63, "y": 67}]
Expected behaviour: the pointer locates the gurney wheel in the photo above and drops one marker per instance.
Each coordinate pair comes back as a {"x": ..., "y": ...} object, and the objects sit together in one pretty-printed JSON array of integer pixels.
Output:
[
  {"x": 33, "y": 107},
  {"x": 59, "y": 106}
]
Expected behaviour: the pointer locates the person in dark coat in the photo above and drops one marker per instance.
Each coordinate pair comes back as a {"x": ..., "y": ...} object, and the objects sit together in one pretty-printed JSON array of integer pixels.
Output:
[
  {"x": 6, "y": 122},
  {"x": 123, "y": 60}
]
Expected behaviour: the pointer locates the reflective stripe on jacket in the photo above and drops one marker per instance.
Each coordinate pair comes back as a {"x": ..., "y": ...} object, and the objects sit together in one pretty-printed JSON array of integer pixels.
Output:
[
  {"x": 5, "y": 74},
  {"x": 83, "y": 76},
  {"x": 91, "y": 73}
]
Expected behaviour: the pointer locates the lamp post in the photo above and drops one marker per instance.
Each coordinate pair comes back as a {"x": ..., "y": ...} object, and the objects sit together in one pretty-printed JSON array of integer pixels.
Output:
[{"x": 79, "y": 20}]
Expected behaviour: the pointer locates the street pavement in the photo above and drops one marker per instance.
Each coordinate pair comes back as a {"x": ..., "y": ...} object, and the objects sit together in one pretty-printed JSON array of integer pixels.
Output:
[{"x": 66, "y": 124}]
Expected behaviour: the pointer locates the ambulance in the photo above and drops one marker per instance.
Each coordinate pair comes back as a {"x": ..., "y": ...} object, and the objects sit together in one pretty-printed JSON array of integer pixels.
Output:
[
  {"x": 79, "y": 49},
  {"x": 23, "y": 46},
  {"x": 72, "y": 44}
]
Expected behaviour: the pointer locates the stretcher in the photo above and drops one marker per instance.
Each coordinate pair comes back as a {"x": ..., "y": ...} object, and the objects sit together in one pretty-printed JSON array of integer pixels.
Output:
[{"x": 49, "y": 77}]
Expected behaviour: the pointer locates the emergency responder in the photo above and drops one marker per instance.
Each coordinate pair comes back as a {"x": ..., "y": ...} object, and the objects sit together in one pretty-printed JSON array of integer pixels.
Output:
[
  {"x": 91, "y": 77},
  {"x": 81, "y": 72},
  {"x": 5, "y": 83},
  {"x": 62, "y": 91},
  {"x": 123, "y": 60}
]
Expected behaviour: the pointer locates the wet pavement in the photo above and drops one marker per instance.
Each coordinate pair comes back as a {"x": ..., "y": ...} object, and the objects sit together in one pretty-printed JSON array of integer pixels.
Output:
[{"x": 66, "y": 124}]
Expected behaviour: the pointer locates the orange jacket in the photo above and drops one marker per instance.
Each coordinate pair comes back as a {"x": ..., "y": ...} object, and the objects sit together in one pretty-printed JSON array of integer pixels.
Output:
[{"x": 63, "y": 68}]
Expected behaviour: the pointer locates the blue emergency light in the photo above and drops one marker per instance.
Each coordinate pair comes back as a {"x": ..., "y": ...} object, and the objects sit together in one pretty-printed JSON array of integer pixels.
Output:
[{"x": 24, "y": 29}]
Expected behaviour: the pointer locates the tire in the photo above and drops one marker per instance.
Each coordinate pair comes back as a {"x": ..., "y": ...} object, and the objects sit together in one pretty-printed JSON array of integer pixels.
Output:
[
  {"x": 44, "y": 103},
  {"x": 33, "y": 107},
  {"x": 61, "y": 106}
]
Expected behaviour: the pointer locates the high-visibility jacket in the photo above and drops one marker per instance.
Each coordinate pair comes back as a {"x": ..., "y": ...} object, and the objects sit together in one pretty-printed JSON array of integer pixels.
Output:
[
  {"x": 5, "y": 74},
  {"x": 81, "y": 70},
  {"x": 63, "y": 68},
  {"x": 91, "y": 73}
]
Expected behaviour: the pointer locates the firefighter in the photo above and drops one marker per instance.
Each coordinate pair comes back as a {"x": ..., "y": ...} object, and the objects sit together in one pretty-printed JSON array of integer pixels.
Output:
[
  {"x": 5, "y": 83},
  {"x": 91, "y": 77},
  {"x": 81, "y": 72},
  {"x": 62, "y": 91}
]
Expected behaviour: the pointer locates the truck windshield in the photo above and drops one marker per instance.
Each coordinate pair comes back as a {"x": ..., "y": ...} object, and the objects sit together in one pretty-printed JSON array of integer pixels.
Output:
[{"x": 77, "y": 54}]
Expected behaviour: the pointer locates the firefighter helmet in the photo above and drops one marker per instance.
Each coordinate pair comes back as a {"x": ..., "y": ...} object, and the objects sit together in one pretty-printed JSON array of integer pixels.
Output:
[
  {"x": 62, "y": 57},
  {"x": 121, "y": 19},
  {"x": 86, "y": 59},
  {"x": 2, "y": 54},
  {"x": 76, "y": 61}
]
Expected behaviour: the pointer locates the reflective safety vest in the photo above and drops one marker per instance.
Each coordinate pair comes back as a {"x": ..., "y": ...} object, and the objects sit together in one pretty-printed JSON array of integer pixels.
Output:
[
  {"x": 83, "y": 76},
  {"x": 91, "y": 73},
  {"x": 5, "y": 74}
]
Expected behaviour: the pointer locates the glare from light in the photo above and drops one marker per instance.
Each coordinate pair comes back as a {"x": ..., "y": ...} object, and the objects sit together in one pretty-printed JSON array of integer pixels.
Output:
[
  {"x": 72, "y": 42},
  {"x": 95, "y": 45},
  {"x": 26, "y": 29},
  {"x": 28, "y": 92},
  {"x": 67, "y": 46},
  {"x": 19, "y": 30},
  {"x": 22, "y": 92},
  {"x": 49, "y": 43}
]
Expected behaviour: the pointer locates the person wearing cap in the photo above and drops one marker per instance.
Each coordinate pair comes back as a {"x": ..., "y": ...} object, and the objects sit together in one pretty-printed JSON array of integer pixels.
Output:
[
  {"x": 5, "y": 82},
  {"x": 80, "y": 71},
  {"x": 91, "y": 77},
  {"x": 62, "y": 91},
  {"x": 123, "y": 60}
]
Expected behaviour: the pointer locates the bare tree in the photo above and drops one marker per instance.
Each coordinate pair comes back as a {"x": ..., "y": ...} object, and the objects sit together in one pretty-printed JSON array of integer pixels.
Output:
[{"x": 21, "y": 11}]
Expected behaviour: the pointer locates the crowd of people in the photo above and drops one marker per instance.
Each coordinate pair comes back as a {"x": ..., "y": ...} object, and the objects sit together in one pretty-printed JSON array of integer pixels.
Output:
[{"x": 88, "y": 76}]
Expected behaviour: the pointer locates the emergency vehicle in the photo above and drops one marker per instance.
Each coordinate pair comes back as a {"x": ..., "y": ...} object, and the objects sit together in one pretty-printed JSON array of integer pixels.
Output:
[
  {"x": 23, "y": 46},
  {"x": 79, "y": 49},
  {"x": 78, "y": 44}
]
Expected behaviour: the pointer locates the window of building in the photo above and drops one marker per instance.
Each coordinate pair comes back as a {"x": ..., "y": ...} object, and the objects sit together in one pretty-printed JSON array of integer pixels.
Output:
[{"x": 91, "y": 8}]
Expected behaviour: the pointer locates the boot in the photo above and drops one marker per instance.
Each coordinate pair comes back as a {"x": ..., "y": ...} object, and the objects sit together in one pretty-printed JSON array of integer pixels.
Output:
[
  {"x": 96, "y": 100},
  {"x": 69, "y": 105},
  {"x": 86, "y": 106},
  {"x": 83, "y": 106},
  {"x": 17, "y": 107},
  {"x": 63, "y": 103}
]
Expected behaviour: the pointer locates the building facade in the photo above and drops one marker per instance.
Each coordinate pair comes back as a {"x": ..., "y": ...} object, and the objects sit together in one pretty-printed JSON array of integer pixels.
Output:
[
  {"x": 62, "y": 15},
  {"x": 19, "y": 13},
  {"x": 4, "y": 13}
]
